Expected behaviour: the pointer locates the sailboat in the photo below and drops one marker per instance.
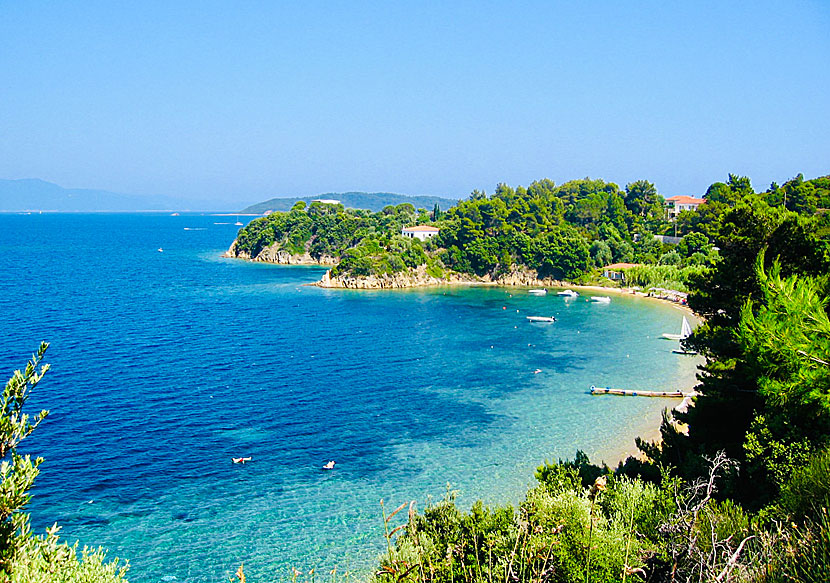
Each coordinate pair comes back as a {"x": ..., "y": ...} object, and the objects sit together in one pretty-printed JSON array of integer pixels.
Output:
[
  {"x": 685, "y": 331},
  {"x": 238, "y": 223}
]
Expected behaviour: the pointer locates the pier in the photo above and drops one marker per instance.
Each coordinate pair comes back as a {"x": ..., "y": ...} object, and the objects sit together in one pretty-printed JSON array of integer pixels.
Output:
[{"x": 636, "y": 393}]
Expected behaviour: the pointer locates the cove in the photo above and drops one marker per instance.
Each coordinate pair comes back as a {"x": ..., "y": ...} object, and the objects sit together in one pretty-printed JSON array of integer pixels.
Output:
[{"x": 166, "y": 364}]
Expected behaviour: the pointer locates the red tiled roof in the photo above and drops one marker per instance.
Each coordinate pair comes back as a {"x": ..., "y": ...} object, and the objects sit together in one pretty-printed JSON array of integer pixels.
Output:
[
  {"x": 683, "y": 199},
  {"x": 421, "y": 229}
]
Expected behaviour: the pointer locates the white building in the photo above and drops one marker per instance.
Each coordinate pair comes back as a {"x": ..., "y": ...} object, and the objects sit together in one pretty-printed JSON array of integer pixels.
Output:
[
  {"x": 678, "y": 204},
  {"x": 326, "y": 201},
  {"x": 421, "y": 232}
]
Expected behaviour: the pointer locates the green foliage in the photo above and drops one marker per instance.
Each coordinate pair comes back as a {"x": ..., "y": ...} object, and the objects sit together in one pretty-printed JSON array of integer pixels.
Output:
[
  {"x": 807, "y": 490},
  {"x": 732, "y": 404},
  {"x": 47, "y": 560},
  {"x": 805, "y": 554},
  {"x": 693, "y": 243},
  {"x": 786, "y": 346},
  {"x": 382, "y": 255},
  {"x": 25, "y": 558},
  {"x": 662, "y": 276},
  {"x": 641, "y": 199},
  {"x": 17, "y": 472},
  {"x": 561, "y": 532}
]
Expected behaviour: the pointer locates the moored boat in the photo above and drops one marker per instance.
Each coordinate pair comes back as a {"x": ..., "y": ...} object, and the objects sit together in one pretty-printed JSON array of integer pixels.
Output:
[
  {"x": 541, "y": 319},
  {"x": 685, "y": 331},
  {"x": 568, "y": 293}
]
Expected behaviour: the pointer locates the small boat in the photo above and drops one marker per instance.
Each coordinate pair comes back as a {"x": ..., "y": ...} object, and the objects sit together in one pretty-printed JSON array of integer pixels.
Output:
[
  {"x": 537, "y": 292},
  {"x": 685, "y": 331},
  {"x": 238, "y": 223},
  {"x": 161, "y": 250},
  {"x": 568, "y": 293},
  {"x": 601, "y": 299},
  {"x": 686, "y": 352},
  {"x": 541, "y": 319},
  {"x": 241, "y": 460},
  {"x": 329, "y": 465}
]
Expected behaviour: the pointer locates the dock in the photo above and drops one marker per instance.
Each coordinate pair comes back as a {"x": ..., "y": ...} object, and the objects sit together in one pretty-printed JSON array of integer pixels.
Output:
[{"x": 635, "y": 393}]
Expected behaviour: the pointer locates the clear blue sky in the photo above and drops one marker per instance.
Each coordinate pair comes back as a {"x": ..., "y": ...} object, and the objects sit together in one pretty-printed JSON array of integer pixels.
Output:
[{"x": 249, "y": 100}]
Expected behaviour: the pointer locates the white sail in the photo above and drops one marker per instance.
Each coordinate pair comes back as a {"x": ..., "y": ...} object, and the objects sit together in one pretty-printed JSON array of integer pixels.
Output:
[{"x": 685, "y": 329}]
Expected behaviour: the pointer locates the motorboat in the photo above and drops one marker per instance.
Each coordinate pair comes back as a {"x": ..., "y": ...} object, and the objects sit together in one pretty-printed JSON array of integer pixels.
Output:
[
  {"x": 568, "y": 293},
  {"x": 537, "y": 292},
  {"x": 601, "y": 299},
  {"x": 541, "y": 319}
]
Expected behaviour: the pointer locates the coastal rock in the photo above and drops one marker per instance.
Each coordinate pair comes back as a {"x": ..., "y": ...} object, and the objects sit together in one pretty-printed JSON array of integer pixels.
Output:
[
  {"x": 274, "y": 254},
  {"x": 418, "y": 277}
]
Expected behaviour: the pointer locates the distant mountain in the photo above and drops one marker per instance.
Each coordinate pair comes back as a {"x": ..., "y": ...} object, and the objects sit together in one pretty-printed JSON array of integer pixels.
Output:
[
  {"x": 373, "y": 201},
  {"x": 39, "y": 195}
]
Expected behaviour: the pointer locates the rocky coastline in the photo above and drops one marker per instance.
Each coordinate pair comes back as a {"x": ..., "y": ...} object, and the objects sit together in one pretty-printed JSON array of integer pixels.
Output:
[
  {"x": 418, "y": 277},
  {"x": 274, "y": 254}
]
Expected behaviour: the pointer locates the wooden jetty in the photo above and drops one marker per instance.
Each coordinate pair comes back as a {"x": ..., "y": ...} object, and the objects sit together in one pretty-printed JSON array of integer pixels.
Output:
[{"x": 634, "y": 393}]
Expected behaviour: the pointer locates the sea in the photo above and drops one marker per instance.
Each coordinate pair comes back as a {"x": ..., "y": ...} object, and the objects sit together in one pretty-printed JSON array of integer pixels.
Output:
[{"x": 168, "y": 360}]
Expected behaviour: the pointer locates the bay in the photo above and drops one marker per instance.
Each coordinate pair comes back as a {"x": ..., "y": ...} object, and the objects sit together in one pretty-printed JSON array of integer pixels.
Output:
[{"x": 167, "y": 361}]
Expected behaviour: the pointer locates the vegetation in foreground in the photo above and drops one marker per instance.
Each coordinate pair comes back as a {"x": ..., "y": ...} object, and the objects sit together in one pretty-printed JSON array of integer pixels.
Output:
[{"x": 25, "y": 557}]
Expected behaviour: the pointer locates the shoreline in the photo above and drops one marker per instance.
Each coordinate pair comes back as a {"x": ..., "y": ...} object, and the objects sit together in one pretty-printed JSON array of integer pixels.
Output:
[{"x": 647, "y": 428}]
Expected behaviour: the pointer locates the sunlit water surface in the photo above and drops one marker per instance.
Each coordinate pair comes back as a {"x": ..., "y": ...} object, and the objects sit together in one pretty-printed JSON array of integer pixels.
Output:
[{"x": 168, "y": 361}]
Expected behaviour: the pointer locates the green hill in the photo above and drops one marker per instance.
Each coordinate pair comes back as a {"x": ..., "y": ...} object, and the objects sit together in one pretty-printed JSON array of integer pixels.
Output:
[{"x": 373, "y": 201}]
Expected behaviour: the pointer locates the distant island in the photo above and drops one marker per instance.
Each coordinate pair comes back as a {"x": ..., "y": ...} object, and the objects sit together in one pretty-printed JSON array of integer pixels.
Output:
[
  {"x": 33, "y": 195},
  {"x": 373, "y": 201}
]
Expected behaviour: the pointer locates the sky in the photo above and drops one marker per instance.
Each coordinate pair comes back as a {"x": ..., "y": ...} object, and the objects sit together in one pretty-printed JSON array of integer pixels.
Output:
[{"x": 251, "y": 100}]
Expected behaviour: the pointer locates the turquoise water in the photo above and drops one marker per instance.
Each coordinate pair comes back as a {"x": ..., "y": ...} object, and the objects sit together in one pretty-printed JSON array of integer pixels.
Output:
[{"x": 167, "y": 364}]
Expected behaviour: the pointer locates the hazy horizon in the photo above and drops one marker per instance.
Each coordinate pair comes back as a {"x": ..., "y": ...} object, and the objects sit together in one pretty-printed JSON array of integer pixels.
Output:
[{"x": 243, "y": 103}]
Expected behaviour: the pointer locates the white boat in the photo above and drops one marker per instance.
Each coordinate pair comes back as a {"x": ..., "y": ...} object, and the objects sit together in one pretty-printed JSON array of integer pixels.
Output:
[
  {"x": 687, "y": 352},
  {"x": 568, "y": 293},
  {"x": 541, "y": 319},
  {"x": 685, "y": 331},
  {"x": 537, "y": 292},
  {"x": 601, "y": 299}
]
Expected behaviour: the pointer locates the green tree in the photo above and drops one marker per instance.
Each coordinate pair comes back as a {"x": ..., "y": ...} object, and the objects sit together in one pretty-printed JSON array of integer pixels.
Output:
[
  {"x": 641, "y": 199},
  {"x": 693, "y": 243},
  {"x": 25, "y": 558},
  {"x": 730, "y": 400},
  {"x": 785, "y": 341}
]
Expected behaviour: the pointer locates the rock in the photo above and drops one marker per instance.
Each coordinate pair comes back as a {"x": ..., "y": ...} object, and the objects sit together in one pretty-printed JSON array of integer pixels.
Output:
[
  {"x": 419, "y": 277},
  {"x": 273, "y": 254}
]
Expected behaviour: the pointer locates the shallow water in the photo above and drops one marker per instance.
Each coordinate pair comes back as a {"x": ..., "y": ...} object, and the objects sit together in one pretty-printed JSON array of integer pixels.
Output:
[{"x": 167, "y": 364}]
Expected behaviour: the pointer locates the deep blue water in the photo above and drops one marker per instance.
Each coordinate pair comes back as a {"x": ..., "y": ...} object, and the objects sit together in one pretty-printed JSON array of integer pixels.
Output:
[{"x": 167, "y": 364}]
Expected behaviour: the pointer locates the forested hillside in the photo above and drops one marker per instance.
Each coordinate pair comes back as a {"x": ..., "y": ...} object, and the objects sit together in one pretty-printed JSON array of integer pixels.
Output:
[{"x": 559, "y": 232}]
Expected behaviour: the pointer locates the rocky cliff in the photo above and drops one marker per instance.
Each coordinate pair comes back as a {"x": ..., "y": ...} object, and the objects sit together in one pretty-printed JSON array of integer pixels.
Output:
[
  {"x": 273, "y": 254},
  {"x": 419, "y": 277}
]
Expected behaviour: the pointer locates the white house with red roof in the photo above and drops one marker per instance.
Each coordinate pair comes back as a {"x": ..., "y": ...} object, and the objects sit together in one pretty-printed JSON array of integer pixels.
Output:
[
  {"x": 422, "y": 232},
  {"x": 680, "y": 203}
]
